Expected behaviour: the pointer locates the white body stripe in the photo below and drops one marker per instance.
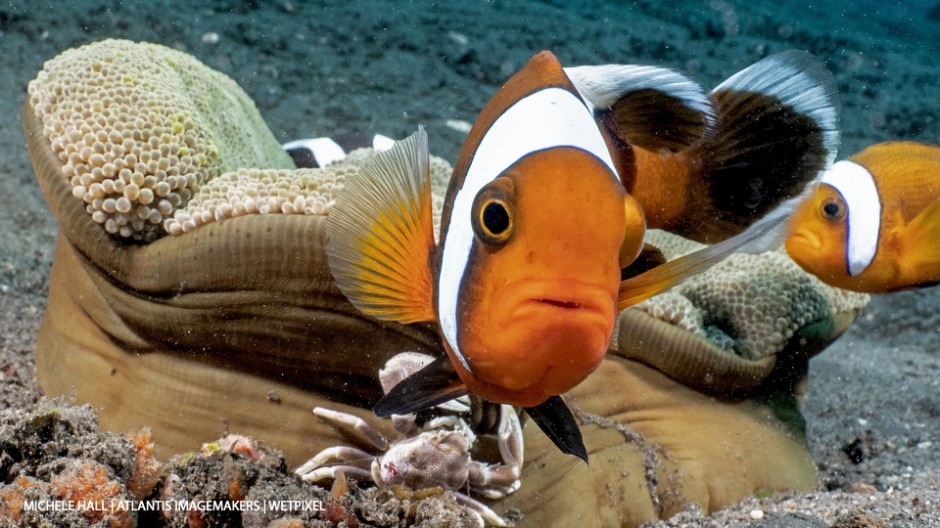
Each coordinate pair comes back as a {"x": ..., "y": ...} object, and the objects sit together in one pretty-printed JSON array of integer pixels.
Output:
[
  {"x": 549, "y": 118},
  {"x": 858, "y": 189}
]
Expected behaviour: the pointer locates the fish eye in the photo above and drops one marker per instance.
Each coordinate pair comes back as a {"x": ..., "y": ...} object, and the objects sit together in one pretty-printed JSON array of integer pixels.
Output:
[
  {"x": 494, "y": 221},
  {"x": 833, "y": 209},
  {"x": 493, "y": 215}
]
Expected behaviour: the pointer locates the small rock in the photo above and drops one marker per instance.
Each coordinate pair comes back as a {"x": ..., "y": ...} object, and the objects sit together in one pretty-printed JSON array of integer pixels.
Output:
[
  {"x": 458, "y": 38},
  {"x": 863, "y": 487},
  {"x": 859, "y": 520},
  {"x": 788, "y": 520}
]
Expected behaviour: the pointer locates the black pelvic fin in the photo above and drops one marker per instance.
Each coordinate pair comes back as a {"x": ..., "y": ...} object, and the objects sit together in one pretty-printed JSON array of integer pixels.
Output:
[
  {"x": 556, "y": 421},
  {"x": 435, "y": 384}
]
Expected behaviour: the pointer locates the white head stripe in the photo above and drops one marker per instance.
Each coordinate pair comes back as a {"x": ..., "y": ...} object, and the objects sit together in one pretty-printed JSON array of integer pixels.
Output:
[
  {"x": 549, "y": 118},
  {"x": 858, "y": 189}
]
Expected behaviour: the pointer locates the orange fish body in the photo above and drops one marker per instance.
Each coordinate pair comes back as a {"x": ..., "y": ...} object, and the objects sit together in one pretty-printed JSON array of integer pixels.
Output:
[
  {"x": 873, "y": 224},
  {"x": 545, "y": 212},
  {"x": 537, "y": 316},
  {"x": 534, "y": 316}
]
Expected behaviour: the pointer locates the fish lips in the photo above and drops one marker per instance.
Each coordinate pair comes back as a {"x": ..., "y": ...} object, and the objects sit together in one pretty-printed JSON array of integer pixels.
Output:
[
  {"x": 567, "y": 298},
  {"x": 801, "y": 244},
  {"x": 562, "y": 325}
]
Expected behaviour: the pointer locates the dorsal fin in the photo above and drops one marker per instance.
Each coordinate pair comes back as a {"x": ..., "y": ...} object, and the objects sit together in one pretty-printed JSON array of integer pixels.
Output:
[
  {"x": 381, "y": 235},
  {"x": 778, "y": 130},
  {"x": 434, "y": 384},
  {"x": 650, "y": 107}
]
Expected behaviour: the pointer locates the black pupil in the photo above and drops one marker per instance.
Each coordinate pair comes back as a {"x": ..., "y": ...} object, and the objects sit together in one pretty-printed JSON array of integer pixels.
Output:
[
  {"x": 495, "y": 218},
  {"x": 831, "y": 209}
]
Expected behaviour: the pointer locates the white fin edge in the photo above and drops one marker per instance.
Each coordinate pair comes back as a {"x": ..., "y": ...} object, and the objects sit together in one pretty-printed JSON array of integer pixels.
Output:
[
  {"x": 603, "y": 85},
  {"x": 801, "y": 81},
  {"x": 324, "y": 149}
]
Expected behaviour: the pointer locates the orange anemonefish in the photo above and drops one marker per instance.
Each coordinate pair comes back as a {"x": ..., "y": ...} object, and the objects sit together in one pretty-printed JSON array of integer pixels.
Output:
[
  {"x": 546, "y": 213},
  {"x": 873, "y": 223}
]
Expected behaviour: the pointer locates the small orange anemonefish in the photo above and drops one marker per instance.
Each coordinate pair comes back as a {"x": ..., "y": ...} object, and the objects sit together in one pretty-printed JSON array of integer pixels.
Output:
[
  {"x": 545, "y": 216},
  {"x": 873, "y": 223}
]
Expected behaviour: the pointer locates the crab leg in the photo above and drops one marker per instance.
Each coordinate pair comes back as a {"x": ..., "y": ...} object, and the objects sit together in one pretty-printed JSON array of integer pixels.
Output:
[
  {"x": 486, "y": 514},
  {"x": 354, "y": 425},
  {"x": 510, "y": 438},
  {"x": 497, "y": 481},
  {"x": 350, "y": 455},
  {"x": 327, "y": 473}
]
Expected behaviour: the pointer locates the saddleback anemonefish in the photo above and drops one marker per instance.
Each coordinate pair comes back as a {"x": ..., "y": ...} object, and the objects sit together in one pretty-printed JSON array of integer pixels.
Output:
[{"x": 545, "y": 216}]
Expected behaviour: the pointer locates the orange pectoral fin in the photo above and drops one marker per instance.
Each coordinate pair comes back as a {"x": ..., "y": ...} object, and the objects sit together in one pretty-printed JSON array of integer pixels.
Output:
[
  {"x": 920, "y": 248},
  {"x": 661, "y": 278},
  {"x": 381, "y": 235}
]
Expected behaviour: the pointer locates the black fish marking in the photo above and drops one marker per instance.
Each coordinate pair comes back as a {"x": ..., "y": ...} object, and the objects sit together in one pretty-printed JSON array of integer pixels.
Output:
[
  {"x": 778, "y": 130},
  {"x": 556, "y": 421},
  {"x": 435, "y": 384}
]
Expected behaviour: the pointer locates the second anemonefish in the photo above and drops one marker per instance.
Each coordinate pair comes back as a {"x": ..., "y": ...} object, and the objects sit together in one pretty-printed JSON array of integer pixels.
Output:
[
  {"x": 545, "y": 216},
  {"x": 873, "y": 224}
]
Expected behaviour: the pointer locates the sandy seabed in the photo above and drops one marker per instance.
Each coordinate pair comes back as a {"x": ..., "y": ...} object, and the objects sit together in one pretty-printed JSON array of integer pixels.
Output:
[{"x": 329, "y": 68}]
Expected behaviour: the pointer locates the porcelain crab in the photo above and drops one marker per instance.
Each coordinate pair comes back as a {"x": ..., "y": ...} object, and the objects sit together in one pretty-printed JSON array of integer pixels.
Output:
[{"x": 436, "y": 454}]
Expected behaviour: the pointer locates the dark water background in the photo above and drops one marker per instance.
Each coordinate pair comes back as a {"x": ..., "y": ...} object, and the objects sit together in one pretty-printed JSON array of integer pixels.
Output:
[{"x": 322, "y": 68}]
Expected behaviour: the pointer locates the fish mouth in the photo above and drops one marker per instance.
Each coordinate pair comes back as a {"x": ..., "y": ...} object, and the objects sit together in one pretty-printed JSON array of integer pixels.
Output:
[
  {"x": 801, "y": 245},
  {"x": 544, "y": 335},
  {"x": 564, "y": 305},
  {"x": 555, "y": 298},
  {"x": 805, "y": 238}
]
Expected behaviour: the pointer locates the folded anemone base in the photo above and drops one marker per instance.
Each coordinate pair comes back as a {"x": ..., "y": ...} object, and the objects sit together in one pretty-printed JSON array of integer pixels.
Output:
[
  {"x": 189, "y": 394},
  {"x": 656, "y": 448}
]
